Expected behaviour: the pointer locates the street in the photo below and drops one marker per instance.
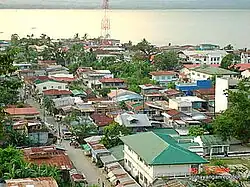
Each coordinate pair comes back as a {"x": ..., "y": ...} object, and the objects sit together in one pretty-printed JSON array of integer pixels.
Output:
[{"x": 81, "y": 162}]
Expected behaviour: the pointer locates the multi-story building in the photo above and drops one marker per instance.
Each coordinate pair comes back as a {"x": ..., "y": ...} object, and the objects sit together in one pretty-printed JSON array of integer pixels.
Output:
[
  {"x": 160, "y": 157},
  {"x": 164, "y": 77},
  {"x": 245, "y": 57}
]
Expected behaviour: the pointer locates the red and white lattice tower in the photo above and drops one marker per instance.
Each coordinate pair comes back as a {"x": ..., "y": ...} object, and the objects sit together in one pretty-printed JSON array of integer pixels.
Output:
[{"x": 105, "y": 25}]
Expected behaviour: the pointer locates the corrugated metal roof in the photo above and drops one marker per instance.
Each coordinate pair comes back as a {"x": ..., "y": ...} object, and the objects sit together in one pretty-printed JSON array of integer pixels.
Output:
[
  {"x": 161, "y": 149},
  {"x": 32, "y": 182}
]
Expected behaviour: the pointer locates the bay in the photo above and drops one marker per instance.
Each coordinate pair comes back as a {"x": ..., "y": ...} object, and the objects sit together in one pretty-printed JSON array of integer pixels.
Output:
[{"x": 183, "y": 26}]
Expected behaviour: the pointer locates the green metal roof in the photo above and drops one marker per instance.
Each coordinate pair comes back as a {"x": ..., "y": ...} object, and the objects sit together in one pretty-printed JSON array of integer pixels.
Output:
[
  {"x": 78, "y": 92},
  {"x": 213, "y": 70},
  {"x": 85, "y": 147},
  {"x": 117, "y": 152},
  {"x": 160, "y": 149},
  {"x": 42, "y": 81},
  {"x": 210, "y": 140},
  {"x": 168, "y": 131}
]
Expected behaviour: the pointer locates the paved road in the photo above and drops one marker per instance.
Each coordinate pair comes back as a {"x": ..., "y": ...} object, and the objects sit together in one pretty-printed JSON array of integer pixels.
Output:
[{"x": 81, "y": 162}]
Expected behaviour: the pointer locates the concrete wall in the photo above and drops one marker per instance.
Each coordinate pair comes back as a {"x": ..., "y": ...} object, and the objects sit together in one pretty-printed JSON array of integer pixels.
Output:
[
  {"x": 221, "y": 100},
  {"x": 51, "y": 85}
]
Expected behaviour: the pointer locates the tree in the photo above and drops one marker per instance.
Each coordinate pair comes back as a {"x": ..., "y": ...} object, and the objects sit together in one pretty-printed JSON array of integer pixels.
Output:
[
  {"x": 229, "y": 60},
  {"x": 146, "y": 48},
  {"x": 166, "y": 61},
  {"x": 196, "y": 131},
  {"x": 112, "y": 134},
  {"x": 234, "y": 122}
]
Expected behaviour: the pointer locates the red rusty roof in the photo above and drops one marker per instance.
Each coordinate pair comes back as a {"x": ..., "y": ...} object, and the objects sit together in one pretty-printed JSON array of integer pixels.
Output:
[
  {"x": 63, "y": 79},
  {"x": 48, "y": 155},
  {"x": 57, "y": 92},
  {"x": 242, "y": 67},
  {"x": 111, "y": 80},
  {"x": 37, "y": 182},
  {"x": 157, "y": 73},
  {"x": 22, "y": 111},
  {"x": 208, "y": 91},
  {"x": 173, "y": 112},
  {"x": 101, "y": 119},
  {"x": 170, "y": 92}
]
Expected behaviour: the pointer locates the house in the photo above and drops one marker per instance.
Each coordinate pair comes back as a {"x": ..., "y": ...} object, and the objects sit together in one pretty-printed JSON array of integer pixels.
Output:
[
  {"x": 151, "y": 92},
  {"x": 30, "y": 182},
  {"x": 56, "y": 69},
  {"x": 53, "y": 93},
  {"x": 164, "y": 77},
  {"x": 189, "y": 87},
  {"x": 103, "y": 107},
  {"x": 78, "y": 93},
  {"x": 221, "y": 97},
  {"x": 206, "y": 94},
  {"x": 48, "y": 155},
  {"x": 136, "y": 122},
  {"x": 23, "y": 113},
  {"x": 91, "y": 77},
  {"x": 246, "y": 73},
  {"x": 203, "y": 56},
  {"x": 121, "y": 95},
  {"x": 101, "y": 120},
  {"x": 197, "y": 103},
  {"x": 172, "y": 115},
  {"x": 180, "y": 105},
  {"x": 85, "y": 108},
  {"x": 41, "y": 86},
  {"x": 244, "y": 69},
  {"x": 207, "y": 72},
  {"x": 22, "y": 66},
  {"x": 245, "y": 57},
  {"x": 171, "y": 93},
  {"x": 112, "y": 83},
  {"x": 163, "y": 157}
]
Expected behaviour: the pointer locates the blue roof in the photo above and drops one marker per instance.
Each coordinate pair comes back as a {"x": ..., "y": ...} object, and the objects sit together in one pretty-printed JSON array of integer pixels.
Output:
[{"x": 129, "y": 97}]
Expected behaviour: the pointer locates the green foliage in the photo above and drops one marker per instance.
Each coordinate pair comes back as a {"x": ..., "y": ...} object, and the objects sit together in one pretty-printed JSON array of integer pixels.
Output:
[
  {"x": 6, "y": 64},
  {"x": 104, "y": 92},
  {"x": 216, "y": 183},
  {"x": 229, "y": 60},
  {"x": 13, "y": 166},
  {"x": 166, "y": 61},
  {"x": 196, "y": 131},
  {"x": 171, "y": 85},
  {"x": 146, "y": 48},
  {"x": 234, "y": 122},
  {"x": 49, "y": 104},
  {"x": 17, "y": 138},
  {"x": 83, "y": 131},
  {"x": 112, "y": 134}
]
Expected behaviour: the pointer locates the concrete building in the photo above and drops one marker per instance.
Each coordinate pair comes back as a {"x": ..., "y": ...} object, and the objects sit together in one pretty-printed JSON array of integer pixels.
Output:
[
  {"x": 203, "y": 56},
  {"x": 207, "y": 72},
  {"x": 245, "y": 57},
  {"x": 41, "y": 86},
  {"x": 221, "y": 87},
  {"x": 164, "y": 77},
  {"x": 150, "y": 155}
]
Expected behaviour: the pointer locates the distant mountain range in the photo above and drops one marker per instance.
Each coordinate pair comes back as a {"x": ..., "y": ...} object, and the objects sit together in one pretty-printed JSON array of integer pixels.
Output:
[{"x": 126, "y": 4}]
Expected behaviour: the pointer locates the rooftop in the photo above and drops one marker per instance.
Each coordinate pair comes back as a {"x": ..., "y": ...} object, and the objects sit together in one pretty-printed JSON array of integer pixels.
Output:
[
  {"x": 48, "y": 155},
  {"x": 150, "y": 86},
  {"x": 213, "y": 70},
  {"x": 57, "y": 92},
  {"x": 111, "y": 80},
  {"x": 158, "y": 73},
  {"x": 32, "y": 182},
  {"x": 208, "y": 91},
  {"x": 101, "y": 119},
  {"x": 63, "y": 79},
  {"x": 242, "y": 67},
  {"x": 161, "y": 149},
  {"x": 22, "y": 111}
]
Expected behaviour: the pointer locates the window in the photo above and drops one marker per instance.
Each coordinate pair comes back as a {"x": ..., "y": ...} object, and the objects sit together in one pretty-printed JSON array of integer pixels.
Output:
[
  {"x": 145, "y": 180},
  {"x": 218, "y": 58},
  {"x": 44, "y": 87},
  {"x": 141, "y": 176},
  {"x": 59, "y": 87},
  {"x": 212, "y": 59},
  {"x": 198, "y": 74},
  {"x": 204, "y": 76},
  {"x": 129, "y": 164},
  {"x": 51, "y": 86},
  {"x": 193, "y": 73}
]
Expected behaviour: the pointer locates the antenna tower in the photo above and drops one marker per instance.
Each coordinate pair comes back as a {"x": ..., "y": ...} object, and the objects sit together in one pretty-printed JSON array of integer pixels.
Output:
[{"x": 105, "y": 24}]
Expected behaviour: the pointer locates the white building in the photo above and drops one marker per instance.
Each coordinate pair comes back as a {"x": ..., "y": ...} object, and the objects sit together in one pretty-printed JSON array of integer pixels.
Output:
[
  {"x": 246, "y": 73},
  {"x": 50, "y": 85},
  {"x": 150, "y": 155},
  {"x": 221, "y": 96},
  {"x": 207, "y": 72},
  {"x": 203, "y": 56},
  {"x": 245, "y": 57}
]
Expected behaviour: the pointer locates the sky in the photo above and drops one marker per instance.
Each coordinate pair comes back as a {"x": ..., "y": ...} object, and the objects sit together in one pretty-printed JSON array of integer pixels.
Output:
[{"x": 130, "y": 4}]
